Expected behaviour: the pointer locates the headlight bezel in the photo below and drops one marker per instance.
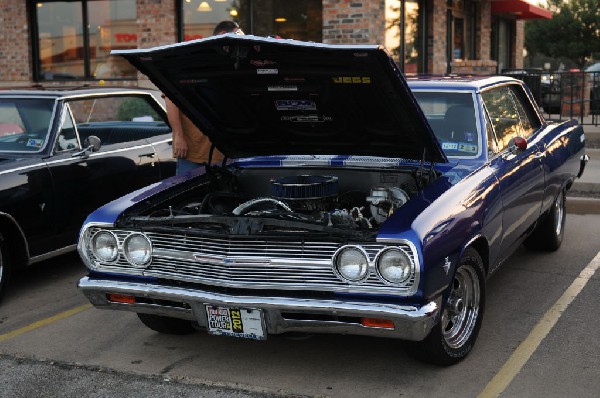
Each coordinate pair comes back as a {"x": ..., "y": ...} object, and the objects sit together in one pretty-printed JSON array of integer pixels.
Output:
[
  {"x": 127, "y": 253},
  {"x": 335, "y": 266},
  {"x": 411, "y": 273},
  {"x": 94, "y": 250}
]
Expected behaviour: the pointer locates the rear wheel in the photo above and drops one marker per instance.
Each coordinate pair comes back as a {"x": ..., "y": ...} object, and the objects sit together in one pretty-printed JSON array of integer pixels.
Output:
[
  {"x": 167, "y": 325},
  {"x": 548, "y": 234},
  {"x": 451, "y": 340}
]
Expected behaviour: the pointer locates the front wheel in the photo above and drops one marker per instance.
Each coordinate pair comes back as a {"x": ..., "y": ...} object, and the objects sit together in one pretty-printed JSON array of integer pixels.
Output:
[
  {"x": 452, "y": 339},
  {"x": 166, "y": 325},
  {"x": 548, "y": 234}
]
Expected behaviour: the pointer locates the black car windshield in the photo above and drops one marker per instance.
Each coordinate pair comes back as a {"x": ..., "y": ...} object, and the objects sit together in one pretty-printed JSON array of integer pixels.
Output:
[
  {"x": 451, "y": 115},
  {"x": 24, "y": 124}
]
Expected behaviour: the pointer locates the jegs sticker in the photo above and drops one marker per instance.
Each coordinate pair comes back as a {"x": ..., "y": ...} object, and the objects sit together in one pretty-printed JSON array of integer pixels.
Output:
[
  {"x": 352, "y": 80},
  {"x": 295, "y": 105}
]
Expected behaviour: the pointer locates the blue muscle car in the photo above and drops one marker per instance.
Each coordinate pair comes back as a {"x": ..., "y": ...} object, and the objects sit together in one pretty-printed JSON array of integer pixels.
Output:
[{"x": 352, "y": 200}]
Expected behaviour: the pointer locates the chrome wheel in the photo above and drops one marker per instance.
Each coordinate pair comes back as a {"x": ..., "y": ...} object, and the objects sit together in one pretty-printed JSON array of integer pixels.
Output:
[
  {"x": 559, "y": 213},
  {"x": 462, "y": 308}
]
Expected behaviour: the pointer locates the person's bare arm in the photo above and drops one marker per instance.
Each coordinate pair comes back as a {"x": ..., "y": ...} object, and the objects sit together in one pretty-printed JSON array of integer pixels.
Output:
[{"x": 180, "y": 146}]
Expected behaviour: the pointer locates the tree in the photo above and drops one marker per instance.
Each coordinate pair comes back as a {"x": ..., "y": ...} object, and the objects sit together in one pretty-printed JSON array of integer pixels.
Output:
[{"x": 572, "y": 33}]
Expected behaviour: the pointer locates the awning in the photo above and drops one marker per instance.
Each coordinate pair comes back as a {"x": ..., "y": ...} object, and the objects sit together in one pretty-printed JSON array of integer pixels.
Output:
[{"x": 520, "y": 9}]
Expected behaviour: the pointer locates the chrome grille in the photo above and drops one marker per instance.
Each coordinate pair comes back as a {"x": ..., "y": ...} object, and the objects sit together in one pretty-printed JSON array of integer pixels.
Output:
[{"x": 256, "y": 263}]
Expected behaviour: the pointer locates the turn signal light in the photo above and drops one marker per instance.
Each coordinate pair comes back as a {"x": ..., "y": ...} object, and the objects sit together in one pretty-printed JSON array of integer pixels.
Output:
[
  {"x": 377, "y": 323},
  {"x": 121, "y": 298}
]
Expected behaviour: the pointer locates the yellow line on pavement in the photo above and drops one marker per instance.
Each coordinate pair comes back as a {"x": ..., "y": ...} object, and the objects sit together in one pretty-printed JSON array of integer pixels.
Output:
[
  {"x": 44, "y": 322},
  {"x": 525, "y": 350}
]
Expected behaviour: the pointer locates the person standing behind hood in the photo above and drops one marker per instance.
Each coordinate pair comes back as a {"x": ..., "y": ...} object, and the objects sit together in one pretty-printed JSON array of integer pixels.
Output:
[{"x": 191, "y": 148}]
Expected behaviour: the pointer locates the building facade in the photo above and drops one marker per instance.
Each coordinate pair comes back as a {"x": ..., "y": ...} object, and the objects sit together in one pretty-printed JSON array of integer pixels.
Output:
[{"x": 69, "y": 41}]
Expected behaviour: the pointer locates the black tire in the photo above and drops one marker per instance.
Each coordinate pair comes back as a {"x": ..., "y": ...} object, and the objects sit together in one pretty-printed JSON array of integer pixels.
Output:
[
  {"x": 167, "y": 325},
  {"x": 4, "y": 268},
  {"x": 548, "y": 234},
  {"x": 453, "y": 338}
]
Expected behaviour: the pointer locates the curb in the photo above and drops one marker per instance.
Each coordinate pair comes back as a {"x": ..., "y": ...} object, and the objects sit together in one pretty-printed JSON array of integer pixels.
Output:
[{"x": 581, "y": 205}]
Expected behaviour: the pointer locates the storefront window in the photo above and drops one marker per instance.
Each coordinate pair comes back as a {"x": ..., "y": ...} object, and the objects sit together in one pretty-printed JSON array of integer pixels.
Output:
[
  {"x": 299, "y": 19},
  {"x": 74, "y": 38},
  {"x": 403, "y": 38},
  {"x": 463, "y": 30}
]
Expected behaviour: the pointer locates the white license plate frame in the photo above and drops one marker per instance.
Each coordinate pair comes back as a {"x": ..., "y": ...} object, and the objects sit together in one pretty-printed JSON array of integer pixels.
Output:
[{"x": 247, "y": 323}]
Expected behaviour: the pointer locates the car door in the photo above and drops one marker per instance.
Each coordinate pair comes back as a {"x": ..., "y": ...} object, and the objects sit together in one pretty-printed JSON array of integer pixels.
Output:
[
  {"x": 518, "y": 169},
  {"x": 84, "y": 180}
]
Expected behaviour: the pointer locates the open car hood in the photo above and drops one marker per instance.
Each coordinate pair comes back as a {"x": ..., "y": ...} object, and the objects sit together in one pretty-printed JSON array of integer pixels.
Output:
[{"x": 256, "y": 96}]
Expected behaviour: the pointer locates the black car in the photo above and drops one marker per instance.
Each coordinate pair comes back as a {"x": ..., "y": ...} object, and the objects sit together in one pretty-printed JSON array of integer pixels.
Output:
[{"x": 63, "y": 153}]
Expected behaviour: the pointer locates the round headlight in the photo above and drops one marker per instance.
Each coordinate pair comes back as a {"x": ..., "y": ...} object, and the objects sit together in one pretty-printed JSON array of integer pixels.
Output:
[
  {"x": 352, "y": 264},
  {"x": 394, "y": 266},
  {"x": 104, "y": 246},
  {"x": 137, "y": 249}
]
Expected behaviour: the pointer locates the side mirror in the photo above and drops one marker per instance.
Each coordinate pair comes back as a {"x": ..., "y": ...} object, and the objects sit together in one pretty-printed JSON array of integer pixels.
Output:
[
  {"x": 517, "y": 145},
  {"x": 92, "y": 143}
]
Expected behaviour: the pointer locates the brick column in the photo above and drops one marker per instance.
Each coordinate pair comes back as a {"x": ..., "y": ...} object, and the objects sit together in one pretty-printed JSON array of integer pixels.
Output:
[
  {"x": 437, "y": 37},
  {"x": 519, "y": 41},
  {"x": 15, "y": 58},
  {"x": 353, "y": 21},
  {"x": 155, "y": 27}
]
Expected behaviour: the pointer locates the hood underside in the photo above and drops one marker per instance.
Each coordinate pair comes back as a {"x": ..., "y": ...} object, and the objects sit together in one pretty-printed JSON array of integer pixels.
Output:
[{"x": 256, "y": 96}]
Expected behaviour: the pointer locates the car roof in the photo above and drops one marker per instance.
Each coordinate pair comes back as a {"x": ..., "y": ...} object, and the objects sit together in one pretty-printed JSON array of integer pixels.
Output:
[
  {"x": 59, "y": 91},
  {"x": 457, "y": 82}
]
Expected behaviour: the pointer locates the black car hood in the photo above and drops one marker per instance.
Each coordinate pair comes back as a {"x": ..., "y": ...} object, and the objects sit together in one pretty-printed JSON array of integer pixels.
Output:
[{"x": 261, "y": 96}]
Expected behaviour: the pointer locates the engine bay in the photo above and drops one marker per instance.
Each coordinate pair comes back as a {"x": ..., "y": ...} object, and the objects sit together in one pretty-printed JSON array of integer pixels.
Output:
[{"x": 349, "y": 199}]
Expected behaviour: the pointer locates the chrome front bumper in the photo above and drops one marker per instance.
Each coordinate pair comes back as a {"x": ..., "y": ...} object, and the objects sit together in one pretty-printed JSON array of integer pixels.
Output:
[{"x": 282, "y": 314}]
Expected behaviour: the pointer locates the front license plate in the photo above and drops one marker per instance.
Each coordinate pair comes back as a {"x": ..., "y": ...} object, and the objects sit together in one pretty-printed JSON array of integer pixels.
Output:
[{"x": 236, "y": 322}]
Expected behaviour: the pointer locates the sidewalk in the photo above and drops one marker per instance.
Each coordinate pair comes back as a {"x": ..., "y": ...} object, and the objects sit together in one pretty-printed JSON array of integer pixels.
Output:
[{"x": 584, "y": 195}]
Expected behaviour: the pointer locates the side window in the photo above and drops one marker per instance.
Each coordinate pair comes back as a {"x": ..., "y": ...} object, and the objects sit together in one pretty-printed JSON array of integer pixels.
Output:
[
  {"x": 67, "y": 137},
  {"x": 118, "y": 119},
  {"x": 508, "y": 114}
]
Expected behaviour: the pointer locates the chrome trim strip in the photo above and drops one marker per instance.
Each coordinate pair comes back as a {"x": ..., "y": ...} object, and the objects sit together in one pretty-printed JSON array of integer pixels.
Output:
[
  {"x": 54, "y": 253},
  {"x": 411, "y": 322}
]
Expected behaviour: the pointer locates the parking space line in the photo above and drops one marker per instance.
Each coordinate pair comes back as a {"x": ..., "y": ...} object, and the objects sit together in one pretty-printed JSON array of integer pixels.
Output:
[
  {"x": 44, "y": 322},
  {"x": 525, "y": 350}
]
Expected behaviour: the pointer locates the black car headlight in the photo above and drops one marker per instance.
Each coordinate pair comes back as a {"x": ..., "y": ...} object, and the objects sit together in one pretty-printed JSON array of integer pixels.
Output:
[
  {"x": 104, "y": 246},
  {"x": 137, "y": 249}
]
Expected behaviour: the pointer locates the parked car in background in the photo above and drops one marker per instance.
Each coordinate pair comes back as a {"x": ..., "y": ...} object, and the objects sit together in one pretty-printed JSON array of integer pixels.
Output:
[
  {"x": 353, "y": 202},
  {"x": 63, "y": 153}
]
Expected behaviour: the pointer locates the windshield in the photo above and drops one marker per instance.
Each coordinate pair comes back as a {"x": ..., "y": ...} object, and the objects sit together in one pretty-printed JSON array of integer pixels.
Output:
[
  {"x": 24, "y": 124},
  {"x": 451, "y": 115}
]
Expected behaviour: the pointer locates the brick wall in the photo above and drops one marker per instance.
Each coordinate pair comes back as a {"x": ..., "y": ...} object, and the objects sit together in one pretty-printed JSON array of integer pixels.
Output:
[
  {"x": 14, "y": 57},
  {"x": 353, "y": 21}
]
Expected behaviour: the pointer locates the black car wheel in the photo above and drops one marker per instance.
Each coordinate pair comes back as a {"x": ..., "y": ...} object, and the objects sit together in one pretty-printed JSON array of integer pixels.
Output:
[
  {"x": 167, "y": 325},
  {"x": 453, "y": 337},
  {"x": 548, "y": 234}
]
